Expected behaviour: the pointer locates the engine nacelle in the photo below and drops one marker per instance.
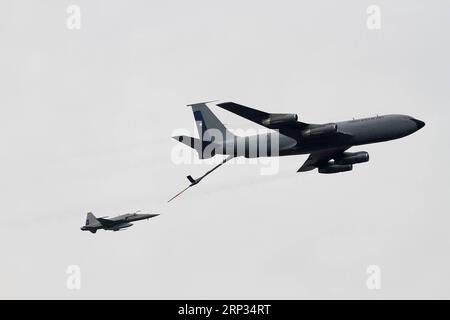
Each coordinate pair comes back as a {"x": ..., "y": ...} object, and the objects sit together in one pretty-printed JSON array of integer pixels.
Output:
[
  {"x": 352, "y": 158},
  {"x": 279, "y": 118},
  {"x": 335, "y": 168},
  {"x": 321, "y": 131}
]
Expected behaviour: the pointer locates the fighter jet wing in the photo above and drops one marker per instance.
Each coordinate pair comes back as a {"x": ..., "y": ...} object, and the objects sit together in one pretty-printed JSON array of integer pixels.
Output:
[
  {"x": 107, "y": 222},
  {"x": 122, "y": 226},
  {"x": 316, "y": 159},
  {"x": 260, "y": 118}
]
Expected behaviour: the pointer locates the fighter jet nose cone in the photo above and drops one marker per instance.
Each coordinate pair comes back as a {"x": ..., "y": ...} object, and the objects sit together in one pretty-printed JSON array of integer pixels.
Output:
[
  {"x": 419, "y": 124},
  {"x": 148, "y": 216}
]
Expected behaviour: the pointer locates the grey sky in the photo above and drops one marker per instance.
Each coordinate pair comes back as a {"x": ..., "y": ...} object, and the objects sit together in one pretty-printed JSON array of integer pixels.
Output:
[{"x": 87, "y": 115}]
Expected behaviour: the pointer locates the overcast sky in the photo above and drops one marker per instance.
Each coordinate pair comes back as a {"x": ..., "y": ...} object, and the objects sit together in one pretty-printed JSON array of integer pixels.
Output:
[{"x": 86, "y": 120}]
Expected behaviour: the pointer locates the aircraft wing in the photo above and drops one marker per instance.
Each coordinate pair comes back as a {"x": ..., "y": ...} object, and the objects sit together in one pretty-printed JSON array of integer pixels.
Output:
[
  {"x": 107, "y": 222},
  {"x": 316, "y": 159},
  {"x": 122, "y": 226},
  {"x": 261, "y": 117}
]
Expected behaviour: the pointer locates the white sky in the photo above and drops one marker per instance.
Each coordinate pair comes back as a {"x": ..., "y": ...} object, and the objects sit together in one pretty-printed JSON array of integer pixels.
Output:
[{"x": 85, "y": 124}]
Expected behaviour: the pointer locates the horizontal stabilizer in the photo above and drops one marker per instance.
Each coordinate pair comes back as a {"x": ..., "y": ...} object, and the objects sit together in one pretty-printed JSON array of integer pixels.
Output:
[
  {"x": 198, "y": 145},
  {"x": 189, "y": 141}
]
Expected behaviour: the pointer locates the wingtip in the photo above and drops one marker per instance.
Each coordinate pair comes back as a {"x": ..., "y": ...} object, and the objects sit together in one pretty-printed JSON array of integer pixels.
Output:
[{"x": 305, "y": 169}]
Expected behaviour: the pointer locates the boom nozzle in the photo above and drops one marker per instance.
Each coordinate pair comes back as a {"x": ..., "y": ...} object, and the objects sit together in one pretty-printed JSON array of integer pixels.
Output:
[{"x": 195, "y": 181}]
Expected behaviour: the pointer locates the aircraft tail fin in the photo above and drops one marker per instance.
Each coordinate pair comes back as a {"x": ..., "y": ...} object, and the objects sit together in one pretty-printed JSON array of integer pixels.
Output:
[
  {"x": 209, "y": 127},
  {"x": 90, "y": 219}
]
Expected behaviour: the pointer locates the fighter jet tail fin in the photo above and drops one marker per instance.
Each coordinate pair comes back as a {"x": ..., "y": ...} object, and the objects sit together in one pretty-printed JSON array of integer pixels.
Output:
[
  {"x": 90, "y": 219},
  {"x": 209, "y": 127}
]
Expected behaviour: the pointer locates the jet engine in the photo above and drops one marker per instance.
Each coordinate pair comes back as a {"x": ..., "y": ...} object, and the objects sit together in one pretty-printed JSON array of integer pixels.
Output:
[
  {"x": 279, "y": 118},
  {"x": 320, "y": 131},
  {"x": 335, "y": 168},
  {"x": 352, "y": 158}
]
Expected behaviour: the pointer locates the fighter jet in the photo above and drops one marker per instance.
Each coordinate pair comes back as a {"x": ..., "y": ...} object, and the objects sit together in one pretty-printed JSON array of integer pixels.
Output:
[
  {"x": 114, "y": 224},
  {"x": 326, "y": 144}
]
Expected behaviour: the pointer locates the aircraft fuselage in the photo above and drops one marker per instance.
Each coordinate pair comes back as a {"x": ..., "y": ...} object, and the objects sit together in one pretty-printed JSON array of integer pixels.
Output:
[
  {"x": 114, "y": 224},
  {"x": 348, "y": 133}
]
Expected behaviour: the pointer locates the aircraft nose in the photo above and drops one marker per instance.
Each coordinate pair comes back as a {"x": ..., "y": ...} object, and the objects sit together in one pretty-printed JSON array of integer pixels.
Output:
[
  {"x": 147, "y": 216},
  {"x": 420, "y": 124}
]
